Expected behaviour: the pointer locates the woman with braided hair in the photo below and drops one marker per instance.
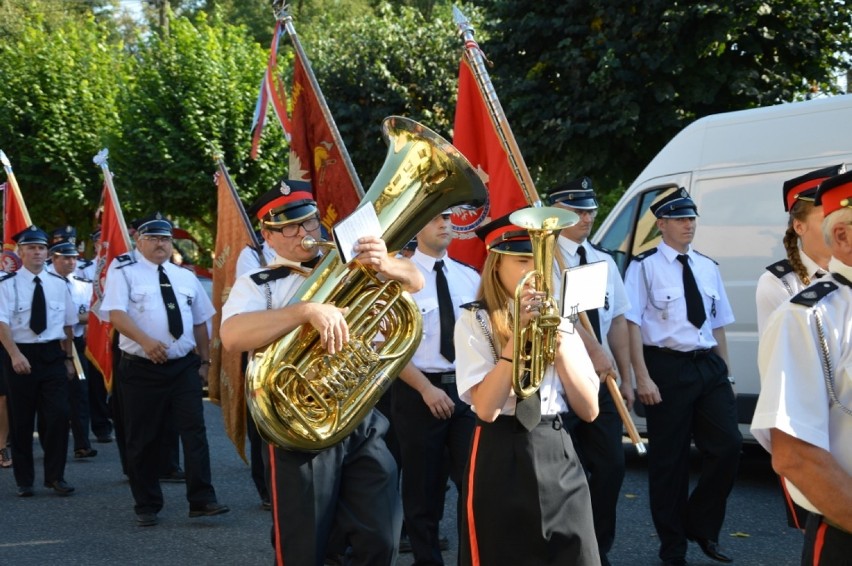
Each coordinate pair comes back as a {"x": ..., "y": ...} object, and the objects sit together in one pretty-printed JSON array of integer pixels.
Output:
[
  {"x": 807, "y": 253},
  {"x": 806, "y": 261}
]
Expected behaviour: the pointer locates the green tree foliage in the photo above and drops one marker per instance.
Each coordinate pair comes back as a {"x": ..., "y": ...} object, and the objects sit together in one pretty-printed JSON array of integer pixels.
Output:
[
  {"x": 57, "y": 107},
  {"x": 192, "y": 97},
  {"x": 597, "y": 87}
]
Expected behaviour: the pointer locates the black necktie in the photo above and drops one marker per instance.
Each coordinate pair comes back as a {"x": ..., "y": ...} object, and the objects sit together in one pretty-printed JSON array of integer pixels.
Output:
[
  {"x": 694, "y": 304},
  {"x": 38, "y": 316},
  {"x": 528, "y": 411},
  {"x": 594, "y": 319},
  {"x": 172, "y": 310},
  {"x": 448, "y": 315}
]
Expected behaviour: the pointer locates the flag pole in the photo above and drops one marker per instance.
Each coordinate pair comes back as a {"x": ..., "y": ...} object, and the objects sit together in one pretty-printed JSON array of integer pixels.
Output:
[
  {"x": 13, "y": 184},
  {"x": 283, "y": 16},
  {"x": 473, "y": 55},
  {"x": 257, "y": 245},
  {"x": 101, "y": 160}
]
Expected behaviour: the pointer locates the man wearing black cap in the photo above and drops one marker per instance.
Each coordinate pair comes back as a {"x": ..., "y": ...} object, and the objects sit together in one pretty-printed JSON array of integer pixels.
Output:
[
  {"x": 677, "y": 337},
  {"x": 350, "y": 487},
  {"x": 598, "y": 443},
  {"x": 161, "y": 311},
  {"x": 38, "y": 342},
  {"x": 804, "y": 412},
  {"x": 63, "y": 253}
]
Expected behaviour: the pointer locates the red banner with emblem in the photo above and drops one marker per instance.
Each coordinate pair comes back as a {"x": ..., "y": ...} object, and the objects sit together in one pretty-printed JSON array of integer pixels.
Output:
[
  {"x": 314, "y": 155},
  {"x": 16, "y": 219},
  {"x": 114, "y": 243},
  {"x": 476, "y": 137}
]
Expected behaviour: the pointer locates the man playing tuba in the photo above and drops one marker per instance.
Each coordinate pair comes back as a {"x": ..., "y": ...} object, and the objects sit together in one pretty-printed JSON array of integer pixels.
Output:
[{"x": 350, "y": 487}]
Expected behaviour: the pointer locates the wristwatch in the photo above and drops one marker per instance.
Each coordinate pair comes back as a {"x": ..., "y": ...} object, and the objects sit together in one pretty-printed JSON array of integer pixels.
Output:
[{"x": 731, "y": 380}]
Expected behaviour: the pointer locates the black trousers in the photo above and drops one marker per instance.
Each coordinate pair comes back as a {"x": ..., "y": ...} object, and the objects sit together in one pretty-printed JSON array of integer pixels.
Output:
[
  {"x": 43, "y": 392},
  {"x": 825, "y": 545},
  {"x": 601, "y": 450},
  {"x": 697, "y": 406},
  {"x": 429, "y": 447},
  {"x": 349, "y": 489},
  {"x": 149, "y": 394},
  {"x": 79, "y": 400},
  {"x": 99, "y": 412}
]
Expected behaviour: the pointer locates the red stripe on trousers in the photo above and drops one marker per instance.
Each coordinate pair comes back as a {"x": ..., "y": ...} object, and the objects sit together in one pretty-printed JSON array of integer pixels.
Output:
[
  {"x": 471, "y": 524},
  {"x": 279, "y": 554},
  {"x": 790, "y": 505},
  {"x": 819, "y": 542}
]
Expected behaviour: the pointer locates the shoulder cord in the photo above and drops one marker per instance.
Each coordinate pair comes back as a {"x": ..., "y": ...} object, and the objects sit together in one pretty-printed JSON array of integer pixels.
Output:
[
  {"x": 268, "y": 293},
  {"x": 650, "y": 296},
  {"x": 787, "y": 286},
  {"x": 487, "y": 332},
  {"x": 826, "y": 365},
  {"x": 17, "y": 303}
]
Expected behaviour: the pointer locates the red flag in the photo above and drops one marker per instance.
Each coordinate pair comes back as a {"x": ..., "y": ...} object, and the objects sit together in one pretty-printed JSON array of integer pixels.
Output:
[
  {"x": 314, "y": 155},
  {"x": 16, "y": 219},
  {"x": 476, "y": 137},
  {"x": 114, "y": 243},
  {"x": 271, "y": 91},
  {"x": 226, "y": 383}
]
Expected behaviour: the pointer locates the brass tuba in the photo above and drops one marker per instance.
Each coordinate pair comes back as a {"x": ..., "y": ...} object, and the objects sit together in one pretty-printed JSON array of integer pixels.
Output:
[
  {"x": 535, "y": 343},
  {"x": 305, "y": 399}
]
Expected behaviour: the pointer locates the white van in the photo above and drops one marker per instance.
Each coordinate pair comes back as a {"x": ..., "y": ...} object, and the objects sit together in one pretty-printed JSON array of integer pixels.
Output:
[{"x": 734, "y": 165}]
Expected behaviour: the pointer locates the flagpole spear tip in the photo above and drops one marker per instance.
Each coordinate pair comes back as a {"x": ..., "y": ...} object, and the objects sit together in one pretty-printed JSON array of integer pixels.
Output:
[
  {"x": 4, "y": 159},
  {"x": 101, "y": 158},
  {"x": 461, "y": 20}
]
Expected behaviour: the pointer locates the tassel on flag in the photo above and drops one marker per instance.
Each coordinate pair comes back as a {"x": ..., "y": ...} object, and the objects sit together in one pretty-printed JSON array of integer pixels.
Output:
[
  {"x": 114, "y": 243},
  {"x": 271, "y": 92},
  {"x": 477, "y": 139},
  {"x": 226, "y": 383}
]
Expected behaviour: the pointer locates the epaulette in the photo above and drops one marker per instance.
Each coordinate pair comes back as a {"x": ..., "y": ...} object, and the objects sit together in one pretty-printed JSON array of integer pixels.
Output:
[
  {"x": 8, "y": 276},
  {"x": 645, "y": 255},
  {"x": 269, "y": 275},
  {"x": 57, "y": 275},
  {"x": 83, "y": 279},
  {"x": 125, "y": 260},
  {"x": 707, "y": 256},
  {"x": 815, "y": 293},
  {"x": 473, "y": 306},
  {"x": 464, "y": 264},
  {"x": 84, "y": 263},
  {"x": 840, "y": 279},
  {"x": 600, "y": 248},
  {"x": 780, "y": 268}
]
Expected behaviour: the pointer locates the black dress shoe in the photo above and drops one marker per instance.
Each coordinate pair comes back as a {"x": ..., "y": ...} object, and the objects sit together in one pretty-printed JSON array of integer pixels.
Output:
[
  {"x": 105, "y": 438},
  {"x": 208, "y": 510},
  {"x": 25, "y": 491},
  {"x": 711, "y": 549},
  {"x": 60, "y": 486},
  {"x": 85, "y": 453},
  {"x": 147, "y": 519}
]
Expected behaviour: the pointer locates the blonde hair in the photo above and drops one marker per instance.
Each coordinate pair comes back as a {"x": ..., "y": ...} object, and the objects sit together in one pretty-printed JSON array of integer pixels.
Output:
[
  {"x": 496, "y": 300},
  {"x": 799, "y": 211}
]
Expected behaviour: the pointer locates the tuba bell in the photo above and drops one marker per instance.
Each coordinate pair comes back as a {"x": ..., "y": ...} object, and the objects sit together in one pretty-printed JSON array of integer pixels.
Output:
[
  {"x": 535, "y": 343},
  {"x": 300, "y": 396}
]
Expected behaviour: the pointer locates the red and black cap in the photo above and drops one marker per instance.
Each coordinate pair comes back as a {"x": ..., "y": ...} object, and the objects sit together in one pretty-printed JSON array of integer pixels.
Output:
[
  {"x": 835, "y": 193},
  {"x": 289, "y": 201},
  {"x": 805, "y": 186},
  {"x": 502, "y": 236}
]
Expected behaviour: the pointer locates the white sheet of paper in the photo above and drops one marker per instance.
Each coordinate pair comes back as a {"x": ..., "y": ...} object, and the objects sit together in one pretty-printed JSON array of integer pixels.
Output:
[
  {"x": 583, "y": 288},
  {"x": 363, "y": 222}
]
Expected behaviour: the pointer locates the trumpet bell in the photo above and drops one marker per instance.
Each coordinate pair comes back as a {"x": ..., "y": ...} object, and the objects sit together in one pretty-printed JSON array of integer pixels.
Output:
[{"x": 544, "y": 218}]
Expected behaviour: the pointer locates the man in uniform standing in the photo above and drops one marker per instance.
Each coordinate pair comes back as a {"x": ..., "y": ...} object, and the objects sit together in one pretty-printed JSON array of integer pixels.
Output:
[
  {"x": 161, "y": 311},
  {"x": 598, "y": 443},
  {"x": 804, "y": 412},
  {"x": 679, "y": 353},
  {"x": 433, "y": 426},
  {"x": 38, "y": 342},
  {"x": 349, "y": 488}
]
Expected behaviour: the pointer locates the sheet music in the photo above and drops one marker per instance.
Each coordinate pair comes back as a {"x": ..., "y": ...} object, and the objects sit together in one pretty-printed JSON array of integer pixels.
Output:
[
  {"x": 583, "y": 288},
  {"x": 363, "y": 222}
]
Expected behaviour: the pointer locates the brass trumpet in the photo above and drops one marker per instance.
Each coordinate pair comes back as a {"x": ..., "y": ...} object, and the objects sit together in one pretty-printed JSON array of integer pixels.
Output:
[{"x": 535, "y": 343}]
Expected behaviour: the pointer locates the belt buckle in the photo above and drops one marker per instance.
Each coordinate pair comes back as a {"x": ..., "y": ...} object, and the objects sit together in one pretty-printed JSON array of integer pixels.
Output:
[{"x": 447, "y": 378}]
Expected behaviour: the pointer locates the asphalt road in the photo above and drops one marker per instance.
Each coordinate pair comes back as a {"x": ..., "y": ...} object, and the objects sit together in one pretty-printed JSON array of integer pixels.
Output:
[{"x": 96, "y": 525}]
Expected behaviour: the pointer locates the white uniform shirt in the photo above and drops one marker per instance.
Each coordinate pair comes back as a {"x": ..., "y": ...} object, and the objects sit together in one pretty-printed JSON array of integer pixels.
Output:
[
  {"x": 248, "y": 296},
  {"x": 81, "y": 294},
  {"x": 247, "y": 260},
  {"x": 658, "y": 304},
  {"x": 475, "y": 358},
  {"x": 135, "y": 289},
  {"x": 85, "y": 269},
  {"x": 16, "y": 299},
  {"x": 463, "y": 283},
  {"x": 772, "y": 290},
  {"x": 616, "y": 302},
  {"x": 793, "y": 395}
]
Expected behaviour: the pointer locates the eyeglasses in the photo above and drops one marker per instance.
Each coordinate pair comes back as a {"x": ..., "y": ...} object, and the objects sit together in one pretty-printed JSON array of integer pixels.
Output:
[
  {"x": 290, "y": 230},
  {"x": 159, "y": 239}
]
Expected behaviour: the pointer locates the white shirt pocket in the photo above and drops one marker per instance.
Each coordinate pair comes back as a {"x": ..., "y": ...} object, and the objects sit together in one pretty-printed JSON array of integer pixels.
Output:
[
  {"x": 431, "y": 317},
  {"x": 142, "y": 298}
]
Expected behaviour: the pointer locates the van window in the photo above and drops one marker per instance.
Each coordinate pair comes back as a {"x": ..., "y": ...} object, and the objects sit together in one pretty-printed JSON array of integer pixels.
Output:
[{"x": 619, "y": 238}]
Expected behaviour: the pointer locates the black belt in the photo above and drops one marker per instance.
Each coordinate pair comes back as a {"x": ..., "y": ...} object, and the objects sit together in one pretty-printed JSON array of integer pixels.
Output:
[
  {"x": 135, "y": 358},
  {"x": 678, "y": 353},
  {"x": 38, "y": 345},
  {"x": 443, "y": 377}
]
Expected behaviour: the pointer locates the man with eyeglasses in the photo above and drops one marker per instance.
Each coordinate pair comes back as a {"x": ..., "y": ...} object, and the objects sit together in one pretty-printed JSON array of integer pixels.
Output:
[
  {"x": 161, "y": 311},
  {"x": 598, "y": 443},
  {"x": 803, "y": 416},
  {"x": 348, "y": 491}
]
